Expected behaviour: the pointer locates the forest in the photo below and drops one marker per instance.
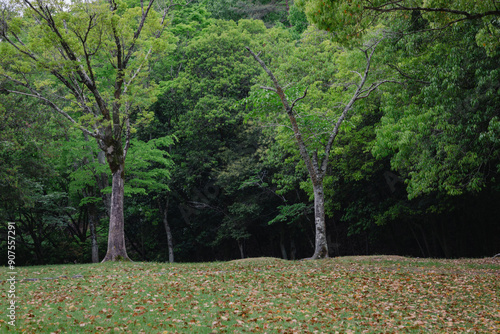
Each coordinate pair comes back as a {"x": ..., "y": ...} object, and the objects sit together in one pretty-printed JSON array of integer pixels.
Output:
[{"x": 211, "y": 130}]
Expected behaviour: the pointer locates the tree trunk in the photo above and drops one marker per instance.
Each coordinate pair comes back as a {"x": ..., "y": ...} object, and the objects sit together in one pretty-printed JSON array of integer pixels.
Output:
[
  {"x": 416, "y": 239},
  {"x": 170, "y": 241},
  {"x": 321, "y": 248},
  {"x": 93, "y": 218},
  {"x": 242, "y": 248},
  {"x": 116, "y": 236}
]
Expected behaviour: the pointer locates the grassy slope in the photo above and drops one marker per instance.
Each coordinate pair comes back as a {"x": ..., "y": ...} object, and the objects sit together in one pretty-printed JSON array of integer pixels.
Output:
[{"x": 378, "y": 294}]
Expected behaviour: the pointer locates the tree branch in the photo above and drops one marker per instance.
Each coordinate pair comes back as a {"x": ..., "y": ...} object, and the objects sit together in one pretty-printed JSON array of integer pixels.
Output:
[
  {"x": 348, "y": 106},
  {"x": 127, "y": 84},
  {"x": 46, "y": 15},
  {"x": 268, "y": 88},
  {"x": 56, "y": 108},
  {"x": 37, "y": 95},
  {"x": 137, "y": 33},
  {"x": 299, "y": 98},
  {"x": 127, "y": 138},
  {"x": 399, "y": 6},
  {"x": 314, "y": 172},
  {"x": 374, "y": 86},
  {"x": 279, "y": 90},
  {"x": 407, "y": 76}
]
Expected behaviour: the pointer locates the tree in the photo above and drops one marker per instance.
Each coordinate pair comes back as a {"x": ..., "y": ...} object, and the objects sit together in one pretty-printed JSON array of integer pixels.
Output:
[
  {"x": 312, "y": 127},
  {"x": 442, "y": 131},
  {"x": 87, "y": 61},
  {"x": 349, "y": 19}
]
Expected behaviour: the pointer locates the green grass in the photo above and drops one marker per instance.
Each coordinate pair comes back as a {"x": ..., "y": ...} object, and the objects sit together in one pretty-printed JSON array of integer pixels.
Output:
[{"x": 378, "y": 294}]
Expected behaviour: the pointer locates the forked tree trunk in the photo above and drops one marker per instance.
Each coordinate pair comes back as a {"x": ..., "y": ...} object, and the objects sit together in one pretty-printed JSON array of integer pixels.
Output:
[
  {"x": 116, "y": 236},
  {"x": 321, "y": 245}
]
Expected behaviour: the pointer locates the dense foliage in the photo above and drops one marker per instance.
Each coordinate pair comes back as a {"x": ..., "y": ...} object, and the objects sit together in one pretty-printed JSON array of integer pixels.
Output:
[{"x": 213, "y": 170}]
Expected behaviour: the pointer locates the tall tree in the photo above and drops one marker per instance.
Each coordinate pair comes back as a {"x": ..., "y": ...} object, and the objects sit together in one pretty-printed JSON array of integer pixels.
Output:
[
  {"x": 314, "y": 127},
  {"x": 87, "y": 61}
]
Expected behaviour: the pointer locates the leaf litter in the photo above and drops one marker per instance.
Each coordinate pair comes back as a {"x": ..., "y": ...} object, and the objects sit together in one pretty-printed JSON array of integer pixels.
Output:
[{"x": 347, "y": 295}]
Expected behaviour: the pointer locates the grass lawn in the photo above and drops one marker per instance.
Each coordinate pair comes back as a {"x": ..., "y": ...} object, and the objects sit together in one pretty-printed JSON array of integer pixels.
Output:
[{"x": 375, "y": 294}]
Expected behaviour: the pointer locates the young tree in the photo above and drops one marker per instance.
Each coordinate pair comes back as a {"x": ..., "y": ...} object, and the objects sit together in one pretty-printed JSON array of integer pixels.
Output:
[
  {"x": 313, "y": 135},
  {"x": 87, "y": 60}
]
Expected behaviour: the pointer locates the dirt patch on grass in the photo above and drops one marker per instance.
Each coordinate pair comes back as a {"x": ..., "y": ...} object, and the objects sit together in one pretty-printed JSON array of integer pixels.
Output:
[
  {"x": 381, "y": 258},
  {"x": 257, "y": 260}
]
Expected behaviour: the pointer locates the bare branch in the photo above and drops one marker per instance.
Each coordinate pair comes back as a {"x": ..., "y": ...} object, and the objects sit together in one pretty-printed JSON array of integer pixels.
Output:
[
  {"x": 138, "y": 70},
  {"x": 166, "y": 10},
  {"x": 359, "y": 75},
  {"x": 279, "y": 90},
  {"x": 314, "y": 172},
  {"x": 374, "y": 86},
  {"x": 299, "y": 98},
  {"x": 349, "y": 105},
  {"x": 137, "y": 33},
  {"x": 407, "y": 76},
  {"x": 268, "y": 88}
]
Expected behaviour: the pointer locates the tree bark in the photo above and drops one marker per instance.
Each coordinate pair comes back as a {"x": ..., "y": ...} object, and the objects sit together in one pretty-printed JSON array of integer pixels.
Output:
[
  {"x": 116, "y": 236},
  {"x": 321, "y": 245}
]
